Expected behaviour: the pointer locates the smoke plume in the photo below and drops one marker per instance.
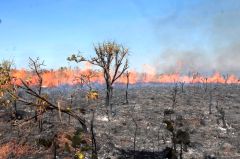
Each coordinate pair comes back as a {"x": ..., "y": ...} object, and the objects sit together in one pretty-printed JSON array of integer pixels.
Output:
[{"x": 202, "y": 37}]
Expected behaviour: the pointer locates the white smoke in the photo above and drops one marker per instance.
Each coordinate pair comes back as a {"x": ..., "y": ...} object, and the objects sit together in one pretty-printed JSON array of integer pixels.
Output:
[{"x": 222, "y": 32}]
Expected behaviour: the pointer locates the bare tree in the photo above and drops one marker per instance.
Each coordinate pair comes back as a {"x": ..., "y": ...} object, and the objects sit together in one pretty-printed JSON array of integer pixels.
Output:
[
  {"x": 174, "y": 95},
  {"x": 92, "y": 96},
  {"x": 134, "y": 120},
  {"x": 48, "y": 105},
  {"x": 221, "y": 116},
  {"x": 194, "y": 77},
  {"x": 210, "y": 102},
  {"x": 94, "y": 143},
  {"x": 126, "y": 95},
  {"x": 226, "y": 78},
  {"x": 195, "y": 80},
  {"x": 36, "y": 66},
  {"x": 86, "y": 79},
  {"x": 205, "y": 84},
  {"x": 182, "y": 85},
  {"x": 112, "y": 58},
  {"x": 41, "y": 100}
]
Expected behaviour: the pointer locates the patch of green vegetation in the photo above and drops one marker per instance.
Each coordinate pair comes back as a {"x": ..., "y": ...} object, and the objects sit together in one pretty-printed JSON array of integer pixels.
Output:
[
  {"x": 77, "y": 138},
  {"x": 78, "y": 131}
]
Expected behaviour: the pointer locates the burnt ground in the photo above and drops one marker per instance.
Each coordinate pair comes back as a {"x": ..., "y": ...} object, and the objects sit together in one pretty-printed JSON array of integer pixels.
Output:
[{"x": 115, "y": 138}]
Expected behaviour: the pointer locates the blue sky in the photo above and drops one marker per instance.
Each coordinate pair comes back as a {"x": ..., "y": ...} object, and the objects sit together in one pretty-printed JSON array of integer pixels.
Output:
[{"x": 158, "y": 32}]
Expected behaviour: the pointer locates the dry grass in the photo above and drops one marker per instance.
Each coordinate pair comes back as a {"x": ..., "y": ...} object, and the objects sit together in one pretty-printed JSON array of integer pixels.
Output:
[{"x": 11, "y": 148}]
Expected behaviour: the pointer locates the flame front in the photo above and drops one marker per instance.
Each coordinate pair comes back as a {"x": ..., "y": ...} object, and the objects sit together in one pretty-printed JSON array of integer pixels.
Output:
[{"x": 52, "y": 78}]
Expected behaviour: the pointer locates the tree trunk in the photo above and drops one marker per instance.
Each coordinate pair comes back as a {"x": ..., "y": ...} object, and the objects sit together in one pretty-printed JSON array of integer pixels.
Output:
[
  {"x": 210, "y": 108},
  {"x": 174, "y": 142},
  {"x": 134, "y": 139},
  {"x": 181, "y": 151},
  {"x": 94, "y": 144},
  {"x": 40, "y": 124},
  {"x": 210, "y": 103},
  {"x": 126, "y": 97},
  {"x": 54, "y": 148},
  {"x": 127, "y": 88},
  {"x": 36, "y": 115},
  {"x": 224, "y": 122},
  {"x": 15, "y": 106},
  {"x": 108, "y": 99}
]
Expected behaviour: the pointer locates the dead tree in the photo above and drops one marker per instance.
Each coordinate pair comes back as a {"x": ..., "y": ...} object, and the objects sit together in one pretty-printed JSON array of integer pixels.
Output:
[
  {"x": 70, "y": 106},
  {"x": 174, "y": 95},
  {"x": 126, "y": 94},
  {"x": 222, "y": 112},
  {"x": 210, "y": 102},
  {"x": 222, "y": 117},
  {"x": 55, "y": 147},
  {"x": 226, "y": 78},
  {"x": 205, "y": 84},
  {"x": 86, "y": 79},
  {"x": 48, "y": 106},
  {"x": 182, "y": 86},
  {"x": 35, "y": 65},
  {"x": 94, "y": 143},
  {"x": 195, "y": 78},
  {"x": 92, "y": 95},
  {"x": 135, "y": 130},
  {"x": 112, "y": 59},
  {"x": 135, "y": 137}
]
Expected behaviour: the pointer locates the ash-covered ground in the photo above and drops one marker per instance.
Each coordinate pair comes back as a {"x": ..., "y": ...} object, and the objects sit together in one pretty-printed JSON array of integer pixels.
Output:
[{"x": 141, "y": 120}]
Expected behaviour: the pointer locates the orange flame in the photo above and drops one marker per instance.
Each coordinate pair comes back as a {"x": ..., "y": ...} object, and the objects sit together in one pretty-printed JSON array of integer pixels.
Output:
[{"x": 58, "y": 77}]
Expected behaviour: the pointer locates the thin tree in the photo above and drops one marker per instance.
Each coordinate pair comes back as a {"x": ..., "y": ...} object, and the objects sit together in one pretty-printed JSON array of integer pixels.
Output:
[
  {"x": 112, "y": 58},
  {"x": 92, "y": 96},
  {"x": 205, "y": 84},
  {"x": 134, "y": 120},
  {"x": 226, "y": 78},
  {"x": 182, "y": 85},
  {"x": 210, "y": 102},
  {"x": 174, "y": 95},
  {"x": 126, "y": 95},
  {"x": 36, "y": 66}
]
